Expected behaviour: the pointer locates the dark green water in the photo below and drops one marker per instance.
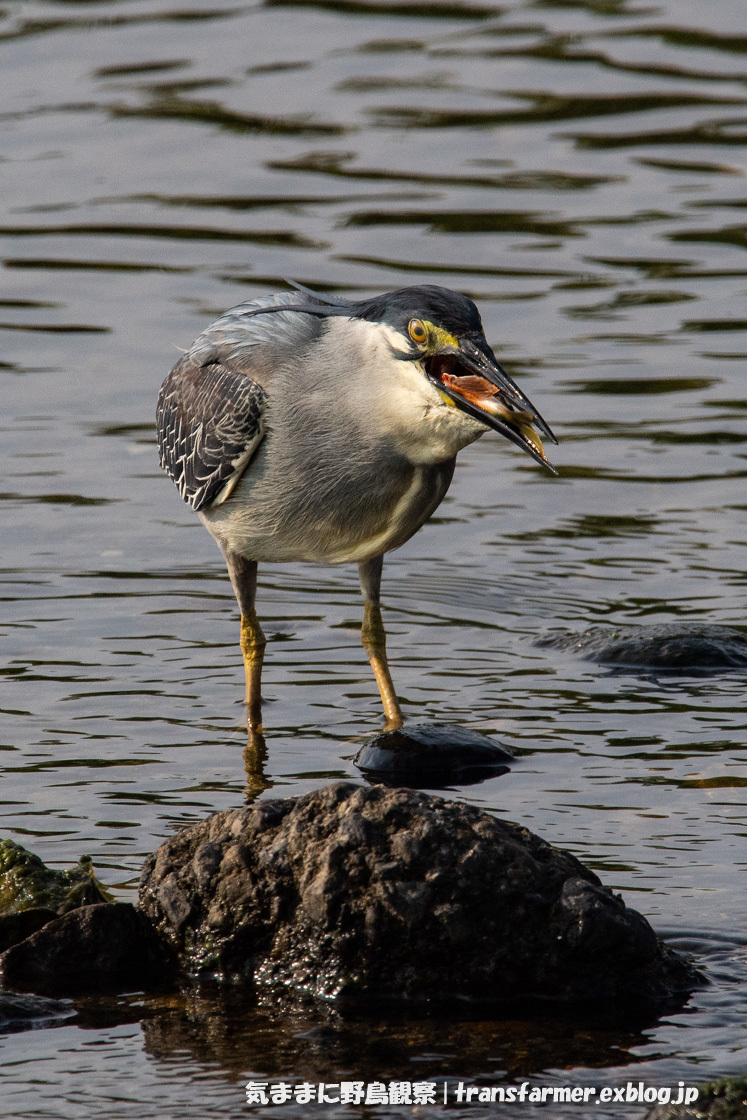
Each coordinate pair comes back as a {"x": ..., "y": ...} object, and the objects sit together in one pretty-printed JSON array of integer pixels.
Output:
[{"x": 578, "y": 167}]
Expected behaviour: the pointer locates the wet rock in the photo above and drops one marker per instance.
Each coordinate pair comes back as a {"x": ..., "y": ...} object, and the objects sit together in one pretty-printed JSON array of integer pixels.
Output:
[
  {"x": 368, "y": 895},
  {"x": 426, "y": 754},
  {"x": 717, "y": 1100},
  {"x": 670, "y": 647},
  {"x": 26, "y": 882},
  {"x": 108, "y": 945},
  {"x": 26, "y": 1012}
]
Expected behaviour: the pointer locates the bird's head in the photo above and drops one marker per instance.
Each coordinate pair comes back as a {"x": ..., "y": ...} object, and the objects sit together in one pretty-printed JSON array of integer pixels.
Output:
[{"x": 441, "y": 333}]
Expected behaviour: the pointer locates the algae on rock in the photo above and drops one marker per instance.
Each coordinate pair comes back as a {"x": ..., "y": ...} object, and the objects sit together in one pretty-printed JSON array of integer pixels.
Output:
[{"x": 27, "y": 883}]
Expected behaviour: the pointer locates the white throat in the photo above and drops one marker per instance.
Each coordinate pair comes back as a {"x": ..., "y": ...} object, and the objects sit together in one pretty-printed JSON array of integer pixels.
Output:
[{"x": 425, "y": 427}]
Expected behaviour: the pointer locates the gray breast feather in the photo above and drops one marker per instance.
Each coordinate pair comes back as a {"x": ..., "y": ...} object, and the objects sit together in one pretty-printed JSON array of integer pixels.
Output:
[{"x": 209, "y": 423}]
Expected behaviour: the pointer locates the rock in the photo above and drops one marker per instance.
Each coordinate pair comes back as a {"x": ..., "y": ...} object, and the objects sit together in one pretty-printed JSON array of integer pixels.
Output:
[
  {"x": 108, "y": 945},
  {"x": 370, "y": 895},
  {"x": 425, "y": 754},
  {"x": 17, "y": 927},
  {"x": 25, "y": 1012},
  {"x": 667, "y": 647},
  {"x": 717, "y": 1100},
  {"x": 26, "y": 883}
]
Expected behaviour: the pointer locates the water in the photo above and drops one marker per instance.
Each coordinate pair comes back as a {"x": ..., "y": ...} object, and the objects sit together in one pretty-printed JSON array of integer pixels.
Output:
[{"x": 577, "y": 166}]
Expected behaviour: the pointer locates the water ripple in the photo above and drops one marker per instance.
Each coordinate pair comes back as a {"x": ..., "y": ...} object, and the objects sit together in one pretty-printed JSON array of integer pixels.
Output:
[{"x": 575, "y": 164}]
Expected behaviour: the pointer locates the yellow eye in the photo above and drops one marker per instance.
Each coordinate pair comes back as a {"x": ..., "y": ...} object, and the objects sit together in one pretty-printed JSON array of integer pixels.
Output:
[{"x": 417, "y": 331}]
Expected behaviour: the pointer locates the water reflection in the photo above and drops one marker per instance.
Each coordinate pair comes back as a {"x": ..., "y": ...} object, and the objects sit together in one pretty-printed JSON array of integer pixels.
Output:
[
  {"x": 255, "y": 757},
  {"x": 214, "y": 1028}
]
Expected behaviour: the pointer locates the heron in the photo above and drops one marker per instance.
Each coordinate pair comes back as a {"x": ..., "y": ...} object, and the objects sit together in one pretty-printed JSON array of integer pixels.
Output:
[{"x": 309, "y": 427}]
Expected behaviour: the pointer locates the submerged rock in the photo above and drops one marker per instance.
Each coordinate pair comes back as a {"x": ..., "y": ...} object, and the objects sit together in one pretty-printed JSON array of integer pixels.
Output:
[
  {"x": 427, "y": 754},
  {"x": 666, "y": 647},
  {"x": 26, "y": 882},
  {"x": 364, "y": 895},
  {"x": 105, "y": 946},
  {"x": 25, "y": 1012}
]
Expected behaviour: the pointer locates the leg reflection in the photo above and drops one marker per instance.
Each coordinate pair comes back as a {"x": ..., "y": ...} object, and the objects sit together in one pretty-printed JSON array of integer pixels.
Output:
[{"x": 255, "y": 757}]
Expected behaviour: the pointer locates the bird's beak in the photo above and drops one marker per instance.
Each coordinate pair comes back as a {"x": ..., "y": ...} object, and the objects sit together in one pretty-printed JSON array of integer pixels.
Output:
[{"x": 470, "y": 378}]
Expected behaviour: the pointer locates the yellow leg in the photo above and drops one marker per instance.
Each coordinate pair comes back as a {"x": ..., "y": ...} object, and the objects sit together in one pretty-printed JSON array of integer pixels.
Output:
[
  {"x": 253, "y": 644},
  {"x": 373, "y": 637},
  {"x": 243, "y": 575}
]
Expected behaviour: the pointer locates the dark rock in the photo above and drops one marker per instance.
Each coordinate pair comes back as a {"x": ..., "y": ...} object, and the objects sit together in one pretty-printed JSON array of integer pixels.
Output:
[
  {"x": 670, "y": 647},
  {"x": 426, "y": 754},
  {"x": 109, "y": 946},
  {"x": 17, "y": 927},
  {"x": 717, "y": 1100},
  {"x": 25, "y": 1012},
  {"x": 26, "y": 882},
  {"x": 364, "y": 895}
]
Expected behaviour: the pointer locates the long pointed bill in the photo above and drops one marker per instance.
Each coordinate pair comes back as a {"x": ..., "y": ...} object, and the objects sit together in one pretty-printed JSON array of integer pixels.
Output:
[{"x": 478, "y": 386}]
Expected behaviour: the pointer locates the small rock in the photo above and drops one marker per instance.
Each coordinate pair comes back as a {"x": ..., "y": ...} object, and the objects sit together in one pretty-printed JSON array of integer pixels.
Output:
[
  {"x": 25, "y": 1012},
  {"x": 105, "y": 946},
  {"x": 666, "y": 647},
  {"x": 367, "y": 895},
  {"x": 426, "y": 754}
]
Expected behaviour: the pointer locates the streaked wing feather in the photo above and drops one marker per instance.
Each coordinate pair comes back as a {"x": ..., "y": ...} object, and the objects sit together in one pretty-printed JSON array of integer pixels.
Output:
[{"x": 209, "y": 422}]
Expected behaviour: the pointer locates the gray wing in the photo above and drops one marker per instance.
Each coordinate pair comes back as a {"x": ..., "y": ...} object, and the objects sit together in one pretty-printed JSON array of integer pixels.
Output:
[
  {"x": 211, "y": 408},
  {"x": 210, "y": 421}
]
